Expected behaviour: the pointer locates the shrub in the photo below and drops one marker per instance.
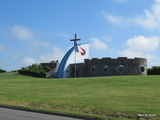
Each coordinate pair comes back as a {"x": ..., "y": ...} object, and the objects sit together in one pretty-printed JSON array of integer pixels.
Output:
[
  {"x": 1, "y": 70},
  {"x": 34, "y": 70},
  {"x": 154, "y": 70}
]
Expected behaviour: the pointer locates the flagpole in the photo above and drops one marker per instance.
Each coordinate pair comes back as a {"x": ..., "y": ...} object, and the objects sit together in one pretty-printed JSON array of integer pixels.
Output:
[
  {"x": 75, "y": 45},
  {"x": 75, "y": 61}
]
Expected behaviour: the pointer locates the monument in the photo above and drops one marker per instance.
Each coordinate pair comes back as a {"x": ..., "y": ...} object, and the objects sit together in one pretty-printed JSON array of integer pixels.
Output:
[
  {"x": 77, "y": 54},
  {"x": 76, "y": 63}
]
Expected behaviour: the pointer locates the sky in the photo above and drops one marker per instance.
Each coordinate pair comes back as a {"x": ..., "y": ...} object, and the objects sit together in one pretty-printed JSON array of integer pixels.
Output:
[{"x": 36, "y": 31}]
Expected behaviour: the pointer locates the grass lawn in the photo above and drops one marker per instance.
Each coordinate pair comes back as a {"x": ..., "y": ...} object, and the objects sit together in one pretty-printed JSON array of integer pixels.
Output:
[{"x": 116, "y": 97}]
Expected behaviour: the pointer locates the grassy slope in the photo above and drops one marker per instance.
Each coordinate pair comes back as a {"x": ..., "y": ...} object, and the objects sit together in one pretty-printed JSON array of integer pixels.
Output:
[{"x": 117, "y": 96}]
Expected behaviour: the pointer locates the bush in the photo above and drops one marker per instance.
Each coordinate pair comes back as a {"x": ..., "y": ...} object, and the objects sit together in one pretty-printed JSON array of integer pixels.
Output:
[
  {"x": 154, "y": 70},
  {"x": 1, "y": 71},
  {"x": 34, "y": 70}
]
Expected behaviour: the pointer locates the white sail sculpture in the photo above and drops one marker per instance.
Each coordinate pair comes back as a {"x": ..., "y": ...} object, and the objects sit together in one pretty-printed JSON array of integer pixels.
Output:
[{"x": 76, "y": 54}]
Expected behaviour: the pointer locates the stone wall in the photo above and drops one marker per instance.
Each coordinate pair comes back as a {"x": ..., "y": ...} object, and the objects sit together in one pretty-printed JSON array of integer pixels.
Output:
[
  {"x": 110, "y": 67},
  {"x": 79, "y": 70},
  {"x": 52, "y": 64}
]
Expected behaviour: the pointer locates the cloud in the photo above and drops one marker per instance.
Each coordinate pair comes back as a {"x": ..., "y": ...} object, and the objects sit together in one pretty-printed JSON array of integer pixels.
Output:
[
  {"x": 137, "y": 46},
  {"x": 22, "y": 32},
  {"x": 56, "y": 54},
  {"x": 142, "y": 46},
  {"x": 28, "y": 61},
  {"x": 131, "y": 53},
  {"x": 112, "y": 18},
  {"x": 141, "y": 43},
  {"x": 150, "y": 19},
  {"x": 97, "y": 44}
]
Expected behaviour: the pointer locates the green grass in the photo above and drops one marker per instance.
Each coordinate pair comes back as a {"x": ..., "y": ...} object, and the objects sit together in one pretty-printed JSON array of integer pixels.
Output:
[{"x": 118, "y": 97}]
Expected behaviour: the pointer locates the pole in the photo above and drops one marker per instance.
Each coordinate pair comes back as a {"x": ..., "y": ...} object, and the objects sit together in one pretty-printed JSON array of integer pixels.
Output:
[
  {"x": 75, "y": 63},
  {"x": 75, "y": 44},
  {"x": 75, "y": 56}
]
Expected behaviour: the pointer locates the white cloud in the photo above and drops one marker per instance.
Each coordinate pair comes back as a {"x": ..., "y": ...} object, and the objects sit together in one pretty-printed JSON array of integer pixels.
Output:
[
  {"x": 142, "y": 43},
  {"x": 137, "y": 46},
  {"x": 97, "y": 44},
  {"x": 142, "y": 46},
  {"x": 131, "y": 53},
  {"x": 150, "y": 20},
  {"x": 56, "y": 54},
  {"x": 28, "y": 61},
  {"x": 112, "y": 18},
  {"x": 25, "y": 33},
  {"x": 22, "y": 32}
]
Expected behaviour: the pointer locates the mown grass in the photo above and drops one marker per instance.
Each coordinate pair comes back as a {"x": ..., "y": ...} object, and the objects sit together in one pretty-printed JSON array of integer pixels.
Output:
[{"x": 119, "y": 97}]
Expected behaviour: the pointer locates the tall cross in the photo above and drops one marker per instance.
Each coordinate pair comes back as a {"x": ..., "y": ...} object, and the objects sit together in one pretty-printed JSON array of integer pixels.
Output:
[
  {"x": 75, "y": 40},
  {"x": 75, "y": 43}
]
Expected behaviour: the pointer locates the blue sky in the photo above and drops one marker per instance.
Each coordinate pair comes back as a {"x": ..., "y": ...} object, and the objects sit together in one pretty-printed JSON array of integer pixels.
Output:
[{"x": 34, "y": 31}]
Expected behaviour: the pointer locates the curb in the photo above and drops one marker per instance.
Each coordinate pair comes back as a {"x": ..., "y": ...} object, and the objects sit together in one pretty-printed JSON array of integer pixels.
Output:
[{"x": 52, "y": 113}]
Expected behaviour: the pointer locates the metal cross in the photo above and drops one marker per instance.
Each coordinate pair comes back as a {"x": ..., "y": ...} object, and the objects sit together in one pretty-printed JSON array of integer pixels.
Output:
[{"x": 75, "y": 39}]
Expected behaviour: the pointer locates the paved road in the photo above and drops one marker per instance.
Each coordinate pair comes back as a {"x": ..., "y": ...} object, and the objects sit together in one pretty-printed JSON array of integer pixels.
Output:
[{"x": 10, "y": 114}]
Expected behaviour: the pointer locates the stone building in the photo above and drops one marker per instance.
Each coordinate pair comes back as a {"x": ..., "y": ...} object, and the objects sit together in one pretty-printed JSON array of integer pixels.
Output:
[{"x": 109, "y": 67}]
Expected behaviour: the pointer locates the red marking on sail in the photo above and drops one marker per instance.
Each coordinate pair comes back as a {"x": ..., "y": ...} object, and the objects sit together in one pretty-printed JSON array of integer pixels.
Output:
[{"x": 83, "y": 51}]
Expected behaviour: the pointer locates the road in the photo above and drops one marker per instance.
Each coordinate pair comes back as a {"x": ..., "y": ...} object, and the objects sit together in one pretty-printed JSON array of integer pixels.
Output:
[{"x": 10, "y": 114}]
